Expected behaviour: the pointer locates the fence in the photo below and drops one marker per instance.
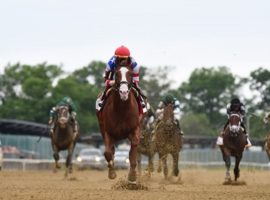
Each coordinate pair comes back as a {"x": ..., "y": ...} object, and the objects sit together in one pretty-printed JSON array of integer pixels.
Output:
[{"x": 202, "y": 158}]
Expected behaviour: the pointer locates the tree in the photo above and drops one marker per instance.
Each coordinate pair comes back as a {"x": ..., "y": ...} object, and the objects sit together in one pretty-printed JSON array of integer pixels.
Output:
[
  {"x": 260, "y": 82},
  {"x": 84, "y": 96},
  {"x": 155, "y": 83},
  {"x": 196, "y": 124},
  {"x": 92, "y": 73},
  {"x": 25, "y": 91},
  {"x": 207, "y": 92}
]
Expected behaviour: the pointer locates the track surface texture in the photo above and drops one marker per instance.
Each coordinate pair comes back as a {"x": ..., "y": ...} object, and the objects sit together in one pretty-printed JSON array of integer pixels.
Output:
[{"x": 194, "y": 184}]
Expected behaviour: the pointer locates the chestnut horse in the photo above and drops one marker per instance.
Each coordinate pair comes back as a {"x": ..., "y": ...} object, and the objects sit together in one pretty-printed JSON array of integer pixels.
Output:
[
  {"x": 267, "y": 141},
  {"x": 168, "y": 140},
  {"x": 120, "y": 119},
  {"x": 234, "y": 141},
  {"x": 63, "y": 138}
]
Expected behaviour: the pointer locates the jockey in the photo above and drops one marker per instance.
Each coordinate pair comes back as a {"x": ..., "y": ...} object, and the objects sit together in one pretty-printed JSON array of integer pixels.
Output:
[
  {"x": 235, "y": 106},
  {"x": 66, "y": 101},
  {"x": 149, "y": 118},
  {"x": 121, "y": 58},
  {"x": 165, "y": 101}
]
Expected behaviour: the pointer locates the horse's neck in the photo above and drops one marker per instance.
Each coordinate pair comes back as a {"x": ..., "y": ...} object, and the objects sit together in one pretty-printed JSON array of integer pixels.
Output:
[{"x": 168, "y": 113}]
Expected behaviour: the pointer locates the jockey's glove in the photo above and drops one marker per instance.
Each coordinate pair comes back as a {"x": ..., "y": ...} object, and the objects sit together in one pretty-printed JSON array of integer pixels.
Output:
[{"x": 109, "y": 82}]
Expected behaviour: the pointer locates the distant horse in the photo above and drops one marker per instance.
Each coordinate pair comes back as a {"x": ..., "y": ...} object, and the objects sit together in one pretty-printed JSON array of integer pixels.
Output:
[
  {"x": 63, "y": 138},
  {"x": 168, "y": 140},
  {"x": 234, "y": 141},
  {"x": 267, "y": 141},
  {"x": 147, "y": 145},
  {"x": 120, "y": 119}
]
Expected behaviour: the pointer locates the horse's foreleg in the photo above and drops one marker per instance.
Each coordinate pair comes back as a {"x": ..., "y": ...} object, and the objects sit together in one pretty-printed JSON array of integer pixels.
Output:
[
  {"x": 69, "y": 159},
  {"x": 159, "y": 169},
  {"x": 109, "y": 155},
  {"x": 268, "y": 154},
  {"x": 134, "y": 140},
  {"x": 236, "y": 168},
  {"x": 139, "y": 157},
  {"x": 150, "y": 162},
  {"x": 164, "y": 165},
  {"x": 175, "y": 156},
  {"x": 56, "y": 158},
  {"x": 227, "y": 160}
]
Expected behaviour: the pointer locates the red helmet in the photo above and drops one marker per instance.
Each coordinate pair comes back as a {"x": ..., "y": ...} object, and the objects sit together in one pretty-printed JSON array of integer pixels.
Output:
[{"x": 122, "y": 52}]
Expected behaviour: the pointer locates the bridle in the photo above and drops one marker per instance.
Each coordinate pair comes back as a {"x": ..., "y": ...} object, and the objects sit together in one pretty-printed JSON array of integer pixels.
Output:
[{"x": 235, "y": 128}]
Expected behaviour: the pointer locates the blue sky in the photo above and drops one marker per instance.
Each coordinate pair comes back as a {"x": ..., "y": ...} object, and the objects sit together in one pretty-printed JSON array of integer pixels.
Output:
[{"x": 182, "y": 34}]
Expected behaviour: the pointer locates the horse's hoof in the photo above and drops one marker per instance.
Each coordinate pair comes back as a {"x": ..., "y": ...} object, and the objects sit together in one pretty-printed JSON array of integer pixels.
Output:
[
  {"x": 132, "y": 176},
  {"x": 111, "y": 174},
  {"x": 132, "y": 179},
  {"x": 228, "y": 180},
  {"x": 132, "y": 182}
]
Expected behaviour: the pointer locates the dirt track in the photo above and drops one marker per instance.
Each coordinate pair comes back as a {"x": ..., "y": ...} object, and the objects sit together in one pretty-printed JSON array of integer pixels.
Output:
[{"x": 196, "y": 184}]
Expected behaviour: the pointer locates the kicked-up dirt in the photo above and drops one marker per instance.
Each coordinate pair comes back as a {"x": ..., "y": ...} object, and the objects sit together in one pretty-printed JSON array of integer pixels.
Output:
[{"x": 201, "y": 184}]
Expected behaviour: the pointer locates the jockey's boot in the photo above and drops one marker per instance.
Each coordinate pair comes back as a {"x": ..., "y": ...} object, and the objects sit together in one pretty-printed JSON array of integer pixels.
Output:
[
  {"x": 100, "y": 100},
  {"x": 144, "y": 108},
  {"x": 220, "y": 139},
  {"x": 51, "y": 129},
  {"x": 248, "y": 143},
  {"x": 75, "y": 128},
  {"x": 178, "y": 127}
]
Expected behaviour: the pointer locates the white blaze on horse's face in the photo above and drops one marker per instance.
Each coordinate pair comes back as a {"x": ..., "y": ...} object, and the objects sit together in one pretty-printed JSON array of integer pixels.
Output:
[
  {"x": 235, "y": 127},
  {"x": 123, "y": 89},
  {"x": 63, "y": 116}
]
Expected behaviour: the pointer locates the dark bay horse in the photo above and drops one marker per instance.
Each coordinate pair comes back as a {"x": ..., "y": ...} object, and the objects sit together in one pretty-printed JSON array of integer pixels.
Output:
[
  {"x": 147, "y": 146},
  {"x": 120, "y": 119},
  {"x": 63, "y": 138},
  {"x": 234, "y": 141},
  {"x": 168, "y": 140},
  {"x": 267, "y": 140}
]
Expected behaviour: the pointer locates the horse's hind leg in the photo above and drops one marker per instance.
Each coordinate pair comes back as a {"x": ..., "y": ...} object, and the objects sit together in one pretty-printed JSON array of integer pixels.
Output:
[{"x": 236, "y": 168}]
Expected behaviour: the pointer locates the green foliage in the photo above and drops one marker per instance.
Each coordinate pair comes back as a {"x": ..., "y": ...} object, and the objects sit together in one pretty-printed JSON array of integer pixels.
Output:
[
  {"x": 256, "y": 126},
  {"x": 196, "y": 124},
  {"x": 208, "y": 91},
  {"x": 155, "y": 83},
  {"x": 260, "y": 82},
  {"x": 28, "y": 93}
]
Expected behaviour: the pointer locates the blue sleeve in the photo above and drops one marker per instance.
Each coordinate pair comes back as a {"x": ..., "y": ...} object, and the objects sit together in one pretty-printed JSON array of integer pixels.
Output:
[{"x": 111, "y": 64}]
